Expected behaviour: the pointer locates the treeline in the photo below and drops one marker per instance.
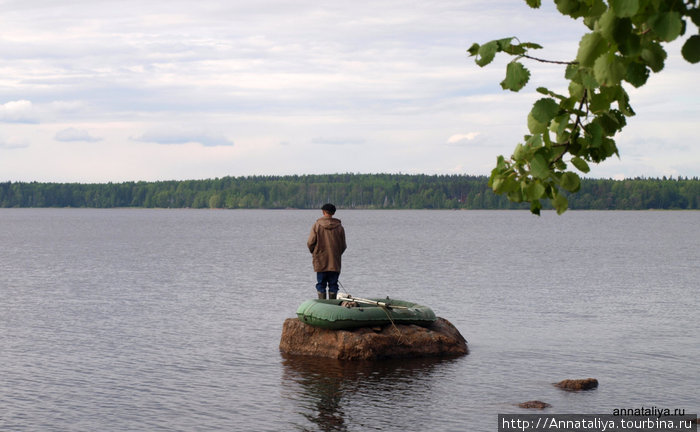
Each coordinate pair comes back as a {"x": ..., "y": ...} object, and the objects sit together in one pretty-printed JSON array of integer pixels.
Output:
[{"x": 372, "y": 191}]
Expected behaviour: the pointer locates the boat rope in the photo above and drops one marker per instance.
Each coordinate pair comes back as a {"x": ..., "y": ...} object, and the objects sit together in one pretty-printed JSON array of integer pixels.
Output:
[
  {"x": 384, "y": 306},
  {"x": 400, "y": 339},
  {"x": 346, "y": 291}
]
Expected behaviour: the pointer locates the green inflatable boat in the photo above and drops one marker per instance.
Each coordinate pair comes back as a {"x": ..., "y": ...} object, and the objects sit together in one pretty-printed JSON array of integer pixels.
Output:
[{"x": 352, "y": 312}]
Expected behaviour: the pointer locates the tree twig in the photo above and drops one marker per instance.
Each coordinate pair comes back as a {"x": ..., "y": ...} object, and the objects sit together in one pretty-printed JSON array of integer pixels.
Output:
[
  {"x": 549, "y": 61},
  {"x": 577, "y": 124}
]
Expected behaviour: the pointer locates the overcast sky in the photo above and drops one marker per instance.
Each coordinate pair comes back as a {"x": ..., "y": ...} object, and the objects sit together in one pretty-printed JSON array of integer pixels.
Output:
[{"x": 98, "y": 91}]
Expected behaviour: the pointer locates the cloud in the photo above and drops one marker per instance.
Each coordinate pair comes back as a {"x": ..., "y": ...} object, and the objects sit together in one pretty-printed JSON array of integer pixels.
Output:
[
  {"x": 20, "y": 111},
  {"x": 340, "y": 76},
  {"x": 73, "y": 134},
  {"x": 175, "y": 138},
  {"x": 338, "y": 140},
  {"x": 461, "y": 139},
  {"x": 13, "y": 143}
]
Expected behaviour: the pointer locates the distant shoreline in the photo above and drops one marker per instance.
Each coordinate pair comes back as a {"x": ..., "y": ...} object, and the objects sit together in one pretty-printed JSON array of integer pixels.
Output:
[{"x": 347, "y": 191}]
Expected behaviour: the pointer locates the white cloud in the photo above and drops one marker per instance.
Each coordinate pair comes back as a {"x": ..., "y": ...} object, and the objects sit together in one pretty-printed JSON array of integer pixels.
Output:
[
  {"x": 356, "y": 77},
  {"x": 338, "y": 140},
  {"x": 12, "y": 143},
  {"x": 184, "y": 137},
  {"x": 73, "y": 134},
  {"x": 20, "y": 111},
  {"x": 462, "y": 138}
]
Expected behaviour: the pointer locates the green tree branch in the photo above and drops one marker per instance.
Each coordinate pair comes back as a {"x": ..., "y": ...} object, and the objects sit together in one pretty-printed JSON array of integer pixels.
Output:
[{"x": 624, "y": 45}]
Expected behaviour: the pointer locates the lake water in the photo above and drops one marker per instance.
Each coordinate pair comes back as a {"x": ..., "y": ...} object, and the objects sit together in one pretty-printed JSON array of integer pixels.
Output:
[{"x": 132, "y": 319}]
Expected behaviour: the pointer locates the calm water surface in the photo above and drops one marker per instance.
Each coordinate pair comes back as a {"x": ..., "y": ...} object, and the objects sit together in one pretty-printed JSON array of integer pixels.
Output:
[{"x": 120, "y": 320}]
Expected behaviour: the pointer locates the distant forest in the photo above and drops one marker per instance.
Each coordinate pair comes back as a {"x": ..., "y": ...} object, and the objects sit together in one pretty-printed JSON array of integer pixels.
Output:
[{"x": 361, "y": 191}]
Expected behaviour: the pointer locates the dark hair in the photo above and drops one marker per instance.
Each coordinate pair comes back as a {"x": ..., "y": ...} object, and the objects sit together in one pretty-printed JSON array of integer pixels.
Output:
[{"x": 328, "y": 208}]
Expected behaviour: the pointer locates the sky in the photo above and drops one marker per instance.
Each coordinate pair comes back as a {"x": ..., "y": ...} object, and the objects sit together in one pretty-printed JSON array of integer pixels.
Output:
[{"x": 97, "y": 91}]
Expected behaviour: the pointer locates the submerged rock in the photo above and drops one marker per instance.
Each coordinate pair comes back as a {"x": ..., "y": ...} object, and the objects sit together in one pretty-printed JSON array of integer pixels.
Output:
[
  {"x": 534, "y": 404},
  {"x": 578, "y": 384},
  {"x": 400, "y": 341}
]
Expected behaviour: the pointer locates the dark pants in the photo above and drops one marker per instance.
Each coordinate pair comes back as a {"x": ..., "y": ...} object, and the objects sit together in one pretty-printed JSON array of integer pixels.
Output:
[{"x": 329, "y": 278}]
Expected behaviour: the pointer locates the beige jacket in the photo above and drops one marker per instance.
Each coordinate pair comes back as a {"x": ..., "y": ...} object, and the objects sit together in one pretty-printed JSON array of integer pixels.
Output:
[{"x": 327, "y": 243}]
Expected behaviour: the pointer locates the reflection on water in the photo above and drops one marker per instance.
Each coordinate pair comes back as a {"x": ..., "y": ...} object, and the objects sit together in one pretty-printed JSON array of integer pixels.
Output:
[{"x": 331, "y": 393}]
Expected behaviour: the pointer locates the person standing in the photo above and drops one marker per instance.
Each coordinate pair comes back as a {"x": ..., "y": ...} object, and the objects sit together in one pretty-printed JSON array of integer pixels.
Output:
[{"x": 327, "y": 243}]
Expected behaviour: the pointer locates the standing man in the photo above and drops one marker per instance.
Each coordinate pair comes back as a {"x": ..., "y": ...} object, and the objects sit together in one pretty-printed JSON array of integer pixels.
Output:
[{"x": 326, "y": 244}]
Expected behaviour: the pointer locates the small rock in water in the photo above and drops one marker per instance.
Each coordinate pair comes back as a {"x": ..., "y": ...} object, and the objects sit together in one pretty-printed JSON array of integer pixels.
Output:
[
  {"x": 534, "y": 404},
  {"x": 578, "y": 384}
]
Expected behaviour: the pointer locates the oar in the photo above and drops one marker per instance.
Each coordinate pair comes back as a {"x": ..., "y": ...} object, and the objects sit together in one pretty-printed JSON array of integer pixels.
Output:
[{"x": 374, "y": 302}]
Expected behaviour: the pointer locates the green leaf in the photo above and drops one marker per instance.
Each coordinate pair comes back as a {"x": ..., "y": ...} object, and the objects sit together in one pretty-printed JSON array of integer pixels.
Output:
[
  {"x": 500, "y": 163},
  {"x": 618, "y": 117},
  {"x": 595, "y": 131},
  {"x": 486, "y": 53},
  {"x": 546, "y": 91},
  {"x": 497, "y": 185},
  {"x": 534, "y": 141},
  {"x": 506, "y": 46},
  {"x": 691, "y": 49},
  {"x": 588, "y": 80},
  {"x": 515, "y": 196},
  {"x": 559, "y": 125},
  {"x": 610, "y": 123},
  {"x": 609, "y": 147},
  {"x": 510, "y": 184},
  {"x": 592, "y": 46},
  {"x": 606, "y": 24},
  {"x": 694, "y": 15},
  {"x": 581, "y": 164},
  {"x": 474, "y": 49},
  {"x": 534, "y": 3},
  {"x": 534, "y": 126},
  {"x": 539, "y": 167},
  {"x": 667, "y": 25},
  {"x": 544, "y": 110},
  {"x": 654, "y": 56},
  {"x": 569, "y": 7},
  {"x": 600, "y": 101},
  {"x": 531, "y": 45},
  {"x": 576, "y": 90},
  {"x": 535, "y": 207},
  {"x": 560, "y": 203},
  {"x": 519, "y": 153},
  {"x": 504, "y": 183},
  {"x": 572, "y": 73},
  {"x": 608, "y": 70},
  {"x": 637, "y": 74},
  {"x": 620, "y": 31},
  {"x": 570, "y": 181},
  {"x": 623, "y": 103},
  {"x": 624, "y": 8},
  {"x": 560, "y": 164},
  {"x": 516, "y": 77},
  {"x": 535, "y": 190},
  {"x": 630, "y": 45},
  {"x": 547, "y": 139},
  {"x": 595, "y": 8}
]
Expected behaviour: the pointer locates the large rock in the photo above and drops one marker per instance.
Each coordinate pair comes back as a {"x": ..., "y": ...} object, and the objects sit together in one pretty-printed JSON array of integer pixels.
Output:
[{"x": 440, "y": 339}]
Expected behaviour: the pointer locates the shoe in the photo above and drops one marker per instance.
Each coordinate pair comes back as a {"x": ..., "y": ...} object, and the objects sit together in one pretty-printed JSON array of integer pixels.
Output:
[
  {"x": 332, "y": 295},
  {"x": 321, "y": 295}
]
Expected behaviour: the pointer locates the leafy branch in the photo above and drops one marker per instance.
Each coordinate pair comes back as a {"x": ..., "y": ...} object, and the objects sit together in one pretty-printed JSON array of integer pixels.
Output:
[{"x": 624, "y": 45}]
